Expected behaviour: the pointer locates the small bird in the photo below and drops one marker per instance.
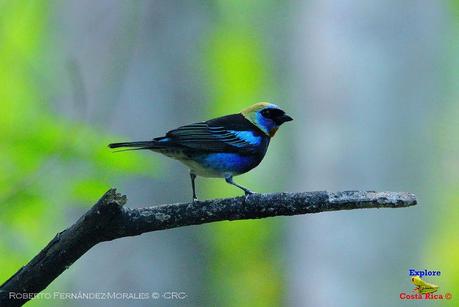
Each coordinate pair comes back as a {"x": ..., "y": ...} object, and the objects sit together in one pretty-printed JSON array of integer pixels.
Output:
[
  {"x": 422, "y": 286},
  {"x": 222, "y": 147}
]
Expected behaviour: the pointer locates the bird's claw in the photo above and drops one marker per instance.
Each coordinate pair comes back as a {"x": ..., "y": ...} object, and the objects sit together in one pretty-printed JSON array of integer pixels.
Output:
[{"x": 248, "y": 192}]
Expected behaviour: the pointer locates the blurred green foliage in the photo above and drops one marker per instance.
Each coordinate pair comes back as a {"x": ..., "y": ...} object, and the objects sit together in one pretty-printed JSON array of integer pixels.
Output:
[
  {"x": 243, "y": 255},
  {"x": 442, "y": 250},
  {"x": 47, "y": 163}
]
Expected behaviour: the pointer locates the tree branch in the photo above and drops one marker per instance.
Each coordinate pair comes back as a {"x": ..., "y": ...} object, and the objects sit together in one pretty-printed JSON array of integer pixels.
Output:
[{"x": 108, "y": 220}]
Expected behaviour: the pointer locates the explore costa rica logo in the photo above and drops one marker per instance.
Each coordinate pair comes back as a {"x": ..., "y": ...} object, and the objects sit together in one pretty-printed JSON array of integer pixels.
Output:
[{"x": 424, "y": 290}]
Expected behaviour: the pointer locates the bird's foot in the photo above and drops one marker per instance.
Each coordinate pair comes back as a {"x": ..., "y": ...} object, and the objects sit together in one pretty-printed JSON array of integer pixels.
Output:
[
  {"x": 195, "y": 200},
  {"x": 248, "y": 192}
]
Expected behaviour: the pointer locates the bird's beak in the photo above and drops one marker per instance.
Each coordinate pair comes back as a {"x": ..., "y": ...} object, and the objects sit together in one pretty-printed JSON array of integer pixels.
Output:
[{"x": 284, "y": 118}]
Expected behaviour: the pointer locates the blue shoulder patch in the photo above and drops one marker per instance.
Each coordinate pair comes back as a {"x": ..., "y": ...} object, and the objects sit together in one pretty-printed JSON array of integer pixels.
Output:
[{"x": 246, "y": 136}]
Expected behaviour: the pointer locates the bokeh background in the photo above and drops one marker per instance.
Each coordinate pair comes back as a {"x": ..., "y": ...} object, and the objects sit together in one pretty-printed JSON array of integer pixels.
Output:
[{"x": 373, "y": 87}]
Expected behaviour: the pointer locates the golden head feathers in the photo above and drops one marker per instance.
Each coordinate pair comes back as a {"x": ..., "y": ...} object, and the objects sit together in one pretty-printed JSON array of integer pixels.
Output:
[{"x": 266, "y": 116}]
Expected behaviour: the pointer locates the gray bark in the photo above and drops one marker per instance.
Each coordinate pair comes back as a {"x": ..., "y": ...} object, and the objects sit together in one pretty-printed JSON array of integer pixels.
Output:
[{"x": 108, "y": 219}]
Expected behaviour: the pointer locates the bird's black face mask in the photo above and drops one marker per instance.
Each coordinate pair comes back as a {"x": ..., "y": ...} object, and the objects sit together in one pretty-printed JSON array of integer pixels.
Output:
[{"x": 276, "y": 115}]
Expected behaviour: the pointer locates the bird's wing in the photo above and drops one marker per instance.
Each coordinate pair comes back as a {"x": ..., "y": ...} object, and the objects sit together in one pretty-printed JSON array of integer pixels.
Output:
[{"x": 207, "y": 137}]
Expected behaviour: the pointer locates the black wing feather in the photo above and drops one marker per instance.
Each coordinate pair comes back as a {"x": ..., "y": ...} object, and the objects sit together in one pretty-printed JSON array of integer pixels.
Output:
[{"x": 213, "y": 135}]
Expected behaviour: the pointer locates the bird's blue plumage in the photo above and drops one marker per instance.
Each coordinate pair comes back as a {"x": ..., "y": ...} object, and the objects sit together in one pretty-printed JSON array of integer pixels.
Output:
[
  {"x": 226, "y": 163},
  {"x": 245, "y": 150},
  {"x": 247, "y": 136},
  {"x": 264, "y": 123}
]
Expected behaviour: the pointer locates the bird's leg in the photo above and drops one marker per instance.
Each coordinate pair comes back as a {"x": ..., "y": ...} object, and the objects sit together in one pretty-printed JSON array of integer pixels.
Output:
[
  {"x": 229, "y": 179},
  {"x": 193, "y": 177}
]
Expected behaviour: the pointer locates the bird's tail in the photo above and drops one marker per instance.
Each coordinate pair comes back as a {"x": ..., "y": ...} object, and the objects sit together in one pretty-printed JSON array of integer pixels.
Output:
[{"x": 136, "y": 145}]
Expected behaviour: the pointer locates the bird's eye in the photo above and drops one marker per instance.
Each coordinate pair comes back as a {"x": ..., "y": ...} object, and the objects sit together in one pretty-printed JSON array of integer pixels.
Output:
[
  {"x": 272, "y": 113},
  {"x": 266, "y": 113}
]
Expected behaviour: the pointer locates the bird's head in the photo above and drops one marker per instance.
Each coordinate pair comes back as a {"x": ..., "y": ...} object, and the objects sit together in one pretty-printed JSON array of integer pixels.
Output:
[{"x": 266, "y": 116}]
